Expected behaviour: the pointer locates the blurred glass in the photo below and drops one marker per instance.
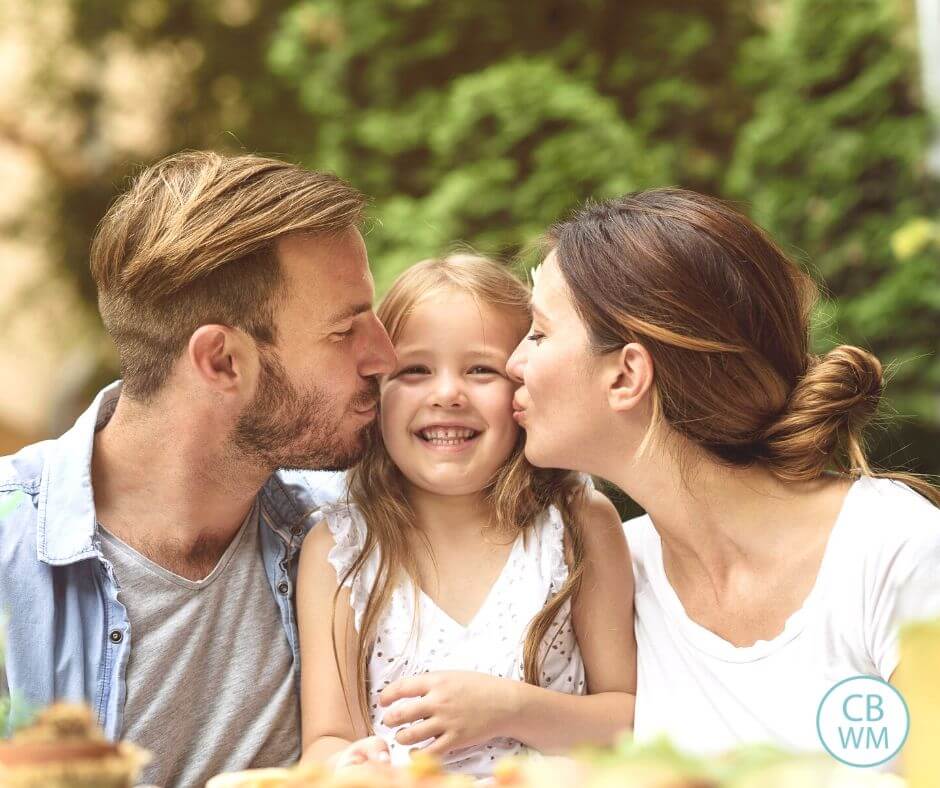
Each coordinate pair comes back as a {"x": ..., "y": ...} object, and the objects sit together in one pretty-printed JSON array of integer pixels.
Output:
[{"x": 918, "y": 679}]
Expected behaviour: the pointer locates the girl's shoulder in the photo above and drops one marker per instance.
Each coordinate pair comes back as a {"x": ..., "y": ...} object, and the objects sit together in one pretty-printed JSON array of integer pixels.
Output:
[
  {"x": 338, "y": 534},
  {"x": 598, "y": 522}
]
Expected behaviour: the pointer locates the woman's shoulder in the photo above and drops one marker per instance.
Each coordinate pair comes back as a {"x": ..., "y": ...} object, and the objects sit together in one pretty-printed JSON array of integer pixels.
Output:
[
  {"x": 886, "y": 531},
  {"x": 644, "y": 544},
  {"x": 880, "y": 512}
]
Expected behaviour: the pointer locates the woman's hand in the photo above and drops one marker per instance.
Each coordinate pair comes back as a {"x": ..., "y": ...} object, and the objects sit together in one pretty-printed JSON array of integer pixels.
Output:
[
  {"x": 455, "y": 708},
  {"x": 372, "y": 748}
]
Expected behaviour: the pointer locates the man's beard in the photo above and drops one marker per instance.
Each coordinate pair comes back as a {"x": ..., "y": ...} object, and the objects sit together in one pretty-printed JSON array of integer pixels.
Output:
[{"x": 285, "y": 428}]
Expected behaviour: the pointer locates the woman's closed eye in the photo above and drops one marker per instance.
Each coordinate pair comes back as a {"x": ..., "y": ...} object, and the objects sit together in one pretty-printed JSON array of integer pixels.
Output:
[{"x": 535, "y": 336}]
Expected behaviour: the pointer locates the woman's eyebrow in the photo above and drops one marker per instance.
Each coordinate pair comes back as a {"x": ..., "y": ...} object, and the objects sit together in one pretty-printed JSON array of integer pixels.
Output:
[{"x": 536, "y": 312}]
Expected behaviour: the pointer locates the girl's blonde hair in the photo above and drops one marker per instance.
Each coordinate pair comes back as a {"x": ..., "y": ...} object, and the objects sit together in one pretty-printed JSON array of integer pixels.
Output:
[{"x": 518, "y": 493}]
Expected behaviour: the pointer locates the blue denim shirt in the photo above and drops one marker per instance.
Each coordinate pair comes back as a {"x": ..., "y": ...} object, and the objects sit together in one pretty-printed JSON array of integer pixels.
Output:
[{"x": 68, "y": 636}]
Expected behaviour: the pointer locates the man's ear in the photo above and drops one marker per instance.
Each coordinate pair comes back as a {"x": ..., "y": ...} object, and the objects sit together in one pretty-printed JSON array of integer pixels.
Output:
[
  {"x": 630, "y": 376},
  {"x": 218, "y": 355}
]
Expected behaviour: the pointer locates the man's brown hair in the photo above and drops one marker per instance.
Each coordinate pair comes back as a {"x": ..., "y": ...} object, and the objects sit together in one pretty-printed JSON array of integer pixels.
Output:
[{"x": 193, "y": 241}]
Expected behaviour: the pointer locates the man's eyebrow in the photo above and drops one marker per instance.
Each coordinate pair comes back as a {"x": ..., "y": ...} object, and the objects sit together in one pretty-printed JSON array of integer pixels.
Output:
[{"x": 348, "y": 312}]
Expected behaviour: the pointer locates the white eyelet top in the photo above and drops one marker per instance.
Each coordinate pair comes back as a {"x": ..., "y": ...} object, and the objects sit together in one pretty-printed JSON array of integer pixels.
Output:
[{"x": 491, "y": 643}]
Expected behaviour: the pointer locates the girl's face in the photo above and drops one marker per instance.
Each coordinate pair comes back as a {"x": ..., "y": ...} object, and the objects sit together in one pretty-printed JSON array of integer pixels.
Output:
[
  {"x": 446, "y": 411},
  {"x": 561, "y": 403}
]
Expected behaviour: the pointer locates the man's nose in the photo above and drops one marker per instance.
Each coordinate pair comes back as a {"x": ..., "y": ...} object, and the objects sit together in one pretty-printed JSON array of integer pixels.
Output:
[{"x": 380, "y": 353}]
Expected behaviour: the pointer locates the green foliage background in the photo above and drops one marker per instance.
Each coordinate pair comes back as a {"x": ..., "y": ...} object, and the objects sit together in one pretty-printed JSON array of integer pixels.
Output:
[{"x": 484, "y": 122}]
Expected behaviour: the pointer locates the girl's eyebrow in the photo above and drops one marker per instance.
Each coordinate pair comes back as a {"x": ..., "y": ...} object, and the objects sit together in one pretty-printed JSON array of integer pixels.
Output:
[{"x": 470, "y": 351}]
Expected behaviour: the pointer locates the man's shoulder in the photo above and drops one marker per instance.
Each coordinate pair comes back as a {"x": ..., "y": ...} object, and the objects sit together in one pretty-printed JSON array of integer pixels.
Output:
[
  {"x": 20, "y": 479},
  {"x": 295, "y": 494},
  {"x": 23, "y": 470}
]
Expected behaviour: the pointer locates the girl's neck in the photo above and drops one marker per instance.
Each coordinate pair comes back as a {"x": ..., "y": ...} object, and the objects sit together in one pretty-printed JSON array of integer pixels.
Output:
[{"x": 451, "y": 516}]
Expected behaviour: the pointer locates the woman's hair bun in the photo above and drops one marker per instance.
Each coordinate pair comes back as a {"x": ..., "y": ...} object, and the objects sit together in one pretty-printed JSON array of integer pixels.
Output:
[{"x": 825, "y": 415}]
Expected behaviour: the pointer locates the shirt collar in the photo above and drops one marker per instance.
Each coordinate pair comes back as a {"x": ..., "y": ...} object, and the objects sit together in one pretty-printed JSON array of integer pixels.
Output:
[
  {"x": 66, "y": 531},
  {"x": 66, "y": 527}
]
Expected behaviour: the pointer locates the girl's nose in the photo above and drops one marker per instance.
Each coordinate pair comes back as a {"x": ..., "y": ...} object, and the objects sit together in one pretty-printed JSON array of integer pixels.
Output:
[{"x": 448, "y": 392}]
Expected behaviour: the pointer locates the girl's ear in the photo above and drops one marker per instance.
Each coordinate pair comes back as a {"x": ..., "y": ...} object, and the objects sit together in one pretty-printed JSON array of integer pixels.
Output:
[{"x": 629, "y": 375}]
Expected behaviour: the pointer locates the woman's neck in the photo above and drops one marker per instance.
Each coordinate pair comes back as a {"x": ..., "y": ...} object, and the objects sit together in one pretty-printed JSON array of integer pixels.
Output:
[{"x": 712, "y": 519}]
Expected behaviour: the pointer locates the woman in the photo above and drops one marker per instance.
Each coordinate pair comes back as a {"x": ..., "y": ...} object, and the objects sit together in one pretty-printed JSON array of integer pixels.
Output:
[{"x": 670, "y": 354}]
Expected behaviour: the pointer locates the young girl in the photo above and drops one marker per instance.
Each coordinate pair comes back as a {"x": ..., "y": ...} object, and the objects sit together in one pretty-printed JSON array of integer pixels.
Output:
[{"x": 461, "y": 600}]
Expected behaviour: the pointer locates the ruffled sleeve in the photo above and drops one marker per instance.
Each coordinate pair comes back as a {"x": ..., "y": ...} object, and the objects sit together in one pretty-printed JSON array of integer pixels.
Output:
[
  {"x": 349, "y": 530},
  {"x": 553, "y": 550},
  {"x": 553, "y": 543}
]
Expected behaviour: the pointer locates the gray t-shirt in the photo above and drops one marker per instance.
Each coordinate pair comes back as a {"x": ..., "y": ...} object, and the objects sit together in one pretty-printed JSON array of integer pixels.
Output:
[{"x": 209, "y": 681}]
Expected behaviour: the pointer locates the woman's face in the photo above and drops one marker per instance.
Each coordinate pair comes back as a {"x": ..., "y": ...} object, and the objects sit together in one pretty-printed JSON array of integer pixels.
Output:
[
  {"x": 446, "y": 410},
  {"x": 561, "y": 403}
]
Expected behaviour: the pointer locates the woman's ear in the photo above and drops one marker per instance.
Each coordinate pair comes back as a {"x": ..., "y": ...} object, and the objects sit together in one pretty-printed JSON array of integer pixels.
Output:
[{"x": 629, "y": 375}]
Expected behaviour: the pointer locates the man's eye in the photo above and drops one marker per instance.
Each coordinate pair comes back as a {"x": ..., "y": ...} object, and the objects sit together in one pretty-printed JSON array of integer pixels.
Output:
[{"x": 339, "y": 336}]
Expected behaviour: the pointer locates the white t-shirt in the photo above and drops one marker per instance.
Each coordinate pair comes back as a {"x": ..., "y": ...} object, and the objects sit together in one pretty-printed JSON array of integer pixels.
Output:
[{"x": 708, "y": 695}]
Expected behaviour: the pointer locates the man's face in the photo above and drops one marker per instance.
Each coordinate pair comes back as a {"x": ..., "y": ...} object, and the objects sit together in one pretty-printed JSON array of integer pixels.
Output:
[{"x": 317, "y": 392}]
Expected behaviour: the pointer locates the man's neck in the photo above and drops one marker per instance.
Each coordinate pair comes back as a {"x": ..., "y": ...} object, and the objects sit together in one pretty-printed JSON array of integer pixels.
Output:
[{"x": 170, "y": 490}]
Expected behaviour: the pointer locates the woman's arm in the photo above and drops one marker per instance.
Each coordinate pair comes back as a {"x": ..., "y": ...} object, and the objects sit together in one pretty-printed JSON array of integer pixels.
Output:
[
  {"x": 461, "y": 709},
  {"x": 330, "y": 717}
]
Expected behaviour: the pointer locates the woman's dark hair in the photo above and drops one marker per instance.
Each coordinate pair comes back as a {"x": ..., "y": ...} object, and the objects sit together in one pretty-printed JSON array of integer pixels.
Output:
[{"x": 725, "y": 317}]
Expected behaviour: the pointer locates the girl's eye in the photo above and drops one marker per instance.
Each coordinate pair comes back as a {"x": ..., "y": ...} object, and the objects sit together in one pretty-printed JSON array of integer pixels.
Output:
[
  {"x": 414, "y": 369},
  {"x": 483, "y": 370},
  {"x": 536, "y": 337}
]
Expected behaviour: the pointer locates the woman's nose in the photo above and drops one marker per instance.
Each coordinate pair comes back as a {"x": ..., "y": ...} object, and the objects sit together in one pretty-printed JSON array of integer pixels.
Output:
[{"x": 516, "y": 364}]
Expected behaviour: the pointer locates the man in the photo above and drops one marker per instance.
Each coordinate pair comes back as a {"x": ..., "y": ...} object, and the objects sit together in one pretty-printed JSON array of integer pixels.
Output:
[{"x": 147, "y": 557}]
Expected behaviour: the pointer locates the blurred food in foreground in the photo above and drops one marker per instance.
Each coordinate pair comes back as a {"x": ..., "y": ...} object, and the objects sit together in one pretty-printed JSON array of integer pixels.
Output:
[
  {"x": 64, "y": 748},
  {"x": 656, "y": 765}
]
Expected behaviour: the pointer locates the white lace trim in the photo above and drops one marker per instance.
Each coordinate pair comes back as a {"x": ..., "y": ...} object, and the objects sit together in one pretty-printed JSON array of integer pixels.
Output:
[{"x": 349, "y": 537}]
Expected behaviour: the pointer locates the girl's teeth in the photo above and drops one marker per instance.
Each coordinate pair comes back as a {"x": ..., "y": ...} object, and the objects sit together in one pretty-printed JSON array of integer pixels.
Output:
[{"x": 447, "y": 436}]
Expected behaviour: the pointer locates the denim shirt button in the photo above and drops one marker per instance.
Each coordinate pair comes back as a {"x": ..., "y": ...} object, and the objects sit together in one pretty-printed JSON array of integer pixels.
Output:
[
  {"x": 297, "y": 530},
  {"x": 283, "y": 587},
  {"x": 116, "y": 636}
]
